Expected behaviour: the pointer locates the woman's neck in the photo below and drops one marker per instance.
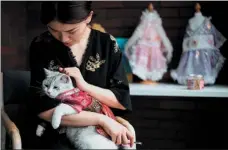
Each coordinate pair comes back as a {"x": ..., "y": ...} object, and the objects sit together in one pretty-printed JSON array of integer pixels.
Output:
[
  {"x": 84, "y": 38},
  {"x": 78, "y": 49}
]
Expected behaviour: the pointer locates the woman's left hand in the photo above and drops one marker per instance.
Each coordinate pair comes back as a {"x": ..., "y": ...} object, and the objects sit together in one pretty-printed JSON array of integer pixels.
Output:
[{"x": 76, "y": 74}]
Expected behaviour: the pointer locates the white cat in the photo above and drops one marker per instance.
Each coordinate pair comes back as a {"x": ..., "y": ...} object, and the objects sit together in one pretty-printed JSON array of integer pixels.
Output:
[{"x": 56, "y": 83}]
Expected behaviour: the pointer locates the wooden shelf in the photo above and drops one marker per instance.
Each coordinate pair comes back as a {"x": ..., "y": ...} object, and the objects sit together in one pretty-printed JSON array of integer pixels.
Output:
[{"x": 176, "y": 90}]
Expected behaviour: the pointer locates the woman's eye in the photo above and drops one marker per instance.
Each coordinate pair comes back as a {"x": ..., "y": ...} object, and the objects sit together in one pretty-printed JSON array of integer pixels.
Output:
[
  {"x": 51, "y": 30},
  {"x": 72, "y": 32}
]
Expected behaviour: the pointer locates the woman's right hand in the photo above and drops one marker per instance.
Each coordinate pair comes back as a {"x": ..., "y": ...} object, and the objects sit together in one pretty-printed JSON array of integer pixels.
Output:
[{"x": 118, "y": 133}]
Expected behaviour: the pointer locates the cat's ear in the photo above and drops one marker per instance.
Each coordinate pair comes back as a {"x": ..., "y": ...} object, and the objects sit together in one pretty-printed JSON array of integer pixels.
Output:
[
  {"x": 64, "y": 79},
  {"x": 47, "y": 72}
]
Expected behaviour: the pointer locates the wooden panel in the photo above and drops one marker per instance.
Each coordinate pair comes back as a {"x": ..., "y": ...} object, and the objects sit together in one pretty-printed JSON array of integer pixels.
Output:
[
  {"x": 168, "y": 12},
  {"x": 106, "y": 4},
  {"x": 174, "y": 23},
  {"x": 124, "y": 13},
  {"x": 100, "y": 14},
  {"x": 177, "y": 4},
  {"x": 140, "y": 4},
  {"x": 119, "y": 23},
  {"x": 121, "y": 32},
  {"x": 187, "y": 12},
  {"x": 172, "y": 32},
  {"x": 33, "y": 6}
]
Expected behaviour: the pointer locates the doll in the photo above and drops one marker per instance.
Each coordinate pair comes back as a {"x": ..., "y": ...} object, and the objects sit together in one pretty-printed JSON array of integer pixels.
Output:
[
  {"x": 201, "y": 55},
  {"x": 149, "y": 49}
]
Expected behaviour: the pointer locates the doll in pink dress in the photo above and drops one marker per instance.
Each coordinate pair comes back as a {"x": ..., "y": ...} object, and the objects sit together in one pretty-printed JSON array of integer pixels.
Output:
[{"x": 149, "y": 49}]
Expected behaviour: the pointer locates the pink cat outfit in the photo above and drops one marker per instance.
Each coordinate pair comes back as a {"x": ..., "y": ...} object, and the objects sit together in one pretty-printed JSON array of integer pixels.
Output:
[
  {"x": 81, "y": 100},
  {"x": 145, "y": 49}
]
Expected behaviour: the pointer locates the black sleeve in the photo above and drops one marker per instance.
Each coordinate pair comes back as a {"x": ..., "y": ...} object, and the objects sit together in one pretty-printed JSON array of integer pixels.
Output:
[
  {"x": 38, "y": 101},
  {"x": 118, "y": 80}
]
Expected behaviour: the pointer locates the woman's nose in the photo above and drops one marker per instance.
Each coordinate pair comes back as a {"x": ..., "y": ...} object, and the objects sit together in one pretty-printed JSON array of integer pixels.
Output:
[{"x": 64, "y": 38}]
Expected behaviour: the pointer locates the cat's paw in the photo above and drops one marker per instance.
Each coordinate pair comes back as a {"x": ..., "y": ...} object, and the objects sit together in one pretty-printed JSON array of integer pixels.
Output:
[
  {"x": 56, "y": 118},
  {"x": 61, "y": 110},
  {"x": 40, "y": 130},
  {"x": 55, "y": 121}
]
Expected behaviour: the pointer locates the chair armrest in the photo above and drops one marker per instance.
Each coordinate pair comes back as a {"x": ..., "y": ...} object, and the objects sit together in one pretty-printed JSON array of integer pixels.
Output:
[
  {"x": 12, "y": 130},
  {"x": 127, "y": 125}
]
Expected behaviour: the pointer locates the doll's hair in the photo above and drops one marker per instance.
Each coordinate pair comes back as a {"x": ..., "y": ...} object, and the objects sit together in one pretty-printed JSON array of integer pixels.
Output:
[{"x": 65, "y": 11}]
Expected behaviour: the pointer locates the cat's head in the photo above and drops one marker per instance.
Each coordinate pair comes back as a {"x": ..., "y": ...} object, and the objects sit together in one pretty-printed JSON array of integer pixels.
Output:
[{"x": 56, "y": 83}]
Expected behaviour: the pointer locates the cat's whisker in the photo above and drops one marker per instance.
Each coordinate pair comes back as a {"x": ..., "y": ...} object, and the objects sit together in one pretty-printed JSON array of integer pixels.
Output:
[
  {"x": 42, "y": 94},
  {"x": 38, "y": 82},
  {"x": 36, "y": 87},
  {"x": 39, "y": 92}
]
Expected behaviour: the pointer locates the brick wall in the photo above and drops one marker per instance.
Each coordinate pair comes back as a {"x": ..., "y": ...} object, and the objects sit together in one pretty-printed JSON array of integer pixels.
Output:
[
  {"x": 34, "y": 25},
  {"x": 13, "y": 35}
]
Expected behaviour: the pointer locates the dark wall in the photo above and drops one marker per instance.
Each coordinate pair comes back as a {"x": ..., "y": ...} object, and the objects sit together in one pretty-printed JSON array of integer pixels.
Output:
[
  {"x": 13, "y": 35},
  {"x": 218, "y": 11},
  {"x": 180, "y": 122}
]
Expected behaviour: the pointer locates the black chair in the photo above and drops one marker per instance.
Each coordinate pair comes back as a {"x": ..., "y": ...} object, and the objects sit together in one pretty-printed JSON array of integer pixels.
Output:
[{"x": 15, "y": 85}]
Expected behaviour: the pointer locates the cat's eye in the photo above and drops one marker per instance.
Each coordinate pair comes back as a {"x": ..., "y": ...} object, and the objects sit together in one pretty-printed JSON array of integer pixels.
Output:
[
  {"x": 56, "y": 88},
  {"x": 46, "y": 85}
]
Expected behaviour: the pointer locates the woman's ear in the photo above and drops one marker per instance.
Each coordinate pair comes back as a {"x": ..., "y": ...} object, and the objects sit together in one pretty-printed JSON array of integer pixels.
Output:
[{"x": 89, "y": 18}]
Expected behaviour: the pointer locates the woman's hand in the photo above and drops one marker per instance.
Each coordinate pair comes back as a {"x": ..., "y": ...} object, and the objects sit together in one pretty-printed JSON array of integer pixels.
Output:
[
  {"x": 118, "y": 133},
  {"x": 76, "y": 74}
]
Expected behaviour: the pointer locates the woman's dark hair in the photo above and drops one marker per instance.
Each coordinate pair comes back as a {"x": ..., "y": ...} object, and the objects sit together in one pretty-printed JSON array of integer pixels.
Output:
[{"x": 65, "y": 11}]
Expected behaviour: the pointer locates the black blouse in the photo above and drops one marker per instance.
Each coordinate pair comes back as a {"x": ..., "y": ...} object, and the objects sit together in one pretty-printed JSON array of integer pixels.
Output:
[{"x": 101, "y": 66}]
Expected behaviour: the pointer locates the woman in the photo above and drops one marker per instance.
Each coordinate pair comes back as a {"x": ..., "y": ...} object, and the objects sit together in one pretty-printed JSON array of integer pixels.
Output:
[{"x": 91, "y": 58}]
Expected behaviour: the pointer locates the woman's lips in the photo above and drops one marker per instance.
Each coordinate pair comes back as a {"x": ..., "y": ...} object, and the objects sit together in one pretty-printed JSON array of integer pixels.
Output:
[{"x": 67, "y": 43}]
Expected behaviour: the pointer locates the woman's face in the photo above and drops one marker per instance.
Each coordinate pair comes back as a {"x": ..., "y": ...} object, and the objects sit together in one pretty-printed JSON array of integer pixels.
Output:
[{"x": 68, "y": 34}]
